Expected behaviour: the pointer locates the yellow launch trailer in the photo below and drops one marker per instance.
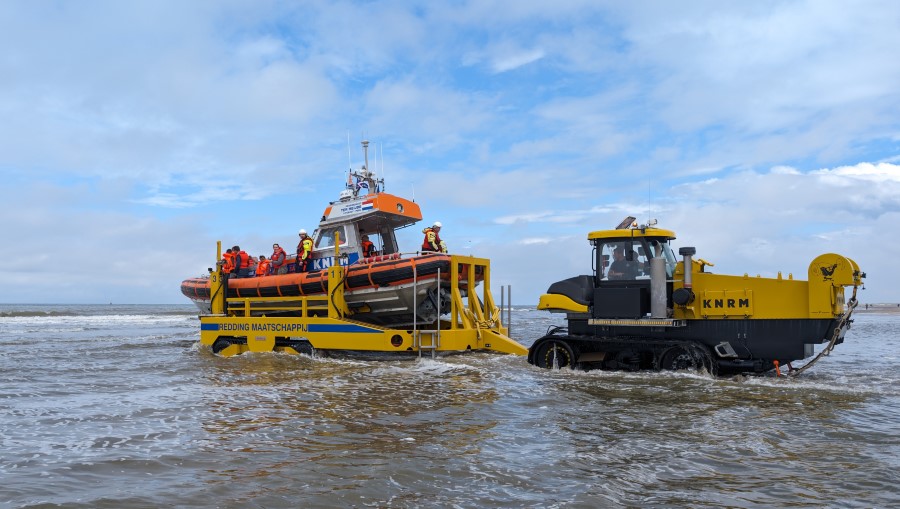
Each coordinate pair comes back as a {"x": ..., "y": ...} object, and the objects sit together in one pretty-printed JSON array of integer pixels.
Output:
[{"x": 325, "y": 322}]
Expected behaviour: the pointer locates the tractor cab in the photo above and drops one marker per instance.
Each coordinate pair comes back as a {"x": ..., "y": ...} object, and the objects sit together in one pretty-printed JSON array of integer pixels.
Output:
[
  {"x": 622, "y": 261},
  {"x": 620, "y": 286},
  {"x": 625, "y": 254}
]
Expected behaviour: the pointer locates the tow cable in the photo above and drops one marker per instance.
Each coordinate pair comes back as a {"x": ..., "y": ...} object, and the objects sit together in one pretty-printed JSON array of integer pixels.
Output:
[{"x": 841, "y": 327}]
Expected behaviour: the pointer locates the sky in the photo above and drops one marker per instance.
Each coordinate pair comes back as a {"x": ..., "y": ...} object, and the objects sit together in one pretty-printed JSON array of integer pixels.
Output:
[{"x": 134, "y": 135}]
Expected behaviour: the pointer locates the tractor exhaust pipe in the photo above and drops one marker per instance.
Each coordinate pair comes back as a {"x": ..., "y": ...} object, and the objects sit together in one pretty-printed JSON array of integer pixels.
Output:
[
  {"x": 658, "y": 299},
  {"x": 687, "y": 253},
  {"x": 684, "y": 296}
]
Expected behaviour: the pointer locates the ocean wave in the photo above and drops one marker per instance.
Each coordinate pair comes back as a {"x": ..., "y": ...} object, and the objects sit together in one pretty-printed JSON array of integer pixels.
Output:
[{"x": 34, "y": 314}]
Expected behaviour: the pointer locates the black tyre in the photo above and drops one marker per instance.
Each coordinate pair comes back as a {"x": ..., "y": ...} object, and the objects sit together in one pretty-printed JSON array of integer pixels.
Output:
[
  {"x": 220, "y": 344},
  {"x": 303, "y": 347},
  {"x": 555, "y": 354},
  {"x": 680, "y": 358}
]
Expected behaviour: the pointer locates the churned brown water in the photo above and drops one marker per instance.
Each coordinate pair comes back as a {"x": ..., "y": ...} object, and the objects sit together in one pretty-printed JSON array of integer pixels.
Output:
[{"x": 116, "y": 406}]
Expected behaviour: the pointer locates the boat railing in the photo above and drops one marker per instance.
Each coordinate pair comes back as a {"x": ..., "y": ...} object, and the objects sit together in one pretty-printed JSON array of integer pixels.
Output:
[
  {"x": 392, "y": 257},
  {"x": 291, "y": 261},
  {"x": 260, "y": 306},
  {"x": 381, "y": 258}
]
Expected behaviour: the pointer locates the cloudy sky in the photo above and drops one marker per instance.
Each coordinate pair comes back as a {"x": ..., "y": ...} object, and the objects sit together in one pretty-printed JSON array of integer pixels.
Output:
[{"x": 133, "y": 135}]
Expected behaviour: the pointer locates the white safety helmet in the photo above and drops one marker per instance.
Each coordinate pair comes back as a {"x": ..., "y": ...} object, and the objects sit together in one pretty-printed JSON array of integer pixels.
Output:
[
  {"x": 302, "y": 232},
  {"x": 437, "y": 224}
]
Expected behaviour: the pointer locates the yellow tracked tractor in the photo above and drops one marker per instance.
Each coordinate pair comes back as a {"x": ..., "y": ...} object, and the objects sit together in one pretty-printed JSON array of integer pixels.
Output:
[{"x": 642, "y": 308}]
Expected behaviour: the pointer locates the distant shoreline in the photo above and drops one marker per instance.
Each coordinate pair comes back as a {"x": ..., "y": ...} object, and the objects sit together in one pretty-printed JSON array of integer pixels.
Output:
[{"x": 878, "y": 308}]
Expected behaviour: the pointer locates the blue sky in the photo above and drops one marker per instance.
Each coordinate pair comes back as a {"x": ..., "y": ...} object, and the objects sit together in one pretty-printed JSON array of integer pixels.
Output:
[{"x": 133, "y": 135}]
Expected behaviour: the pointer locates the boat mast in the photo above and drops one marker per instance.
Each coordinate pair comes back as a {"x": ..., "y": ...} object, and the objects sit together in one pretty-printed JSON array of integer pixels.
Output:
[
  {"x": 349, "y": 162},
  {"x": 363, "y": 175},
  {"x": 365, "y": 144},
  {"x": 382, "y": 168}
]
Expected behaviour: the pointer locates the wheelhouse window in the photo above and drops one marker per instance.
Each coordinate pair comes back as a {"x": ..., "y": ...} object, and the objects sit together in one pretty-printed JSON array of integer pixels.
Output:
[
  {"x": 375, "y": 239},
  {"x": 326, "y": 237},
  {"x": 382, "y": 237}
]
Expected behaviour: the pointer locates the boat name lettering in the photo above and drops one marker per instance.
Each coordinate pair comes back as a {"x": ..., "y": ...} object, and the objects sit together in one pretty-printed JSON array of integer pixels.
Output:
[
  {"x": 328, "y": 261},
  {"x": 726, "y": 303},
  {"x": 322, "y": 263},
  {"x": 350, "y": 209}
]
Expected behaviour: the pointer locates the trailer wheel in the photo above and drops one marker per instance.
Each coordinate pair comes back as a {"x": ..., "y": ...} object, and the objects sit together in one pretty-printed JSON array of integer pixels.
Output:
[
  {"x": 303, "y": 347},
  {"x": 680, "y": 358},
  {"x": 554, "y": 354},
  {"x": 220, "y": 344}
]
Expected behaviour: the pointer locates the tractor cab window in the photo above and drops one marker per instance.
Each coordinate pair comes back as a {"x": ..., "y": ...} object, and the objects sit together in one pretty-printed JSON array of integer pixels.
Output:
[
  {"x": 629, "y": 259},
  {"x": 619, "y": 260}
]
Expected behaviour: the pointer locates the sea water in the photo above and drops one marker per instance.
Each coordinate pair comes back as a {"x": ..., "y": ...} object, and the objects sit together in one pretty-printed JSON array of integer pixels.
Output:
[{"x": 118, "y": 406}]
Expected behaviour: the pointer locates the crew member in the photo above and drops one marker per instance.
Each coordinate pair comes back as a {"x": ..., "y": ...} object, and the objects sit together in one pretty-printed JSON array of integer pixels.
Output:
[
  {"x": 368, "y": 248},
  {"x": 241, "y": 263},
  {"x": 277, "y": 260},
  {"x": 304, "y": 251},
  {"x": 262, "y": 268},
  {"x": 622, "y": 268},
  {"x": 227, "y": 262},
  {"x": 432, "y": 240}
]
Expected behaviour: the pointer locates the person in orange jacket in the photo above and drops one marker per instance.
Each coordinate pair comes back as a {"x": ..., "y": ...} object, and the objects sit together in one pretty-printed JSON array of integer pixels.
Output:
[
  {"x": 368, "y": 248},
  {"x": 262, "y": 268},
  {"x": 304, "y": 251},
  {"x": 277, "y": 259},
  {"x": 227, "y": 262}
]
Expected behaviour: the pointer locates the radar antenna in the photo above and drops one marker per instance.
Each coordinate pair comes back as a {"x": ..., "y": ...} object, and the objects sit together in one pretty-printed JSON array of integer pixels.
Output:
[{"x": 365, "y": 179}]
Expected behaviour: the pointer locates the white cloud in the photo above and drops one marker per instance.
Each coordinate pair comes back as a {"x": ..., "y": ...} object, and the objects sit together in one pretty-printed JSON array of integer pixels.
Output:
[
  {"x": 879, "y": 172},
  {"x": 528, "y": 217},
  {"x": 784, "y": 170},
  {"x": 518, "y": 60},
  {"x": 533, "y": 241}
]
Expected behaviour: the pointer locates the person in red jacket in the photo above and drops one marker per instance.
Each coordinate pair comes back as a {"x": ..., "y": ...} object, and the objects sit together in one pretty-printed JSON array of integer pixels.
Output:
[{"x": 277, "y": 260}]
